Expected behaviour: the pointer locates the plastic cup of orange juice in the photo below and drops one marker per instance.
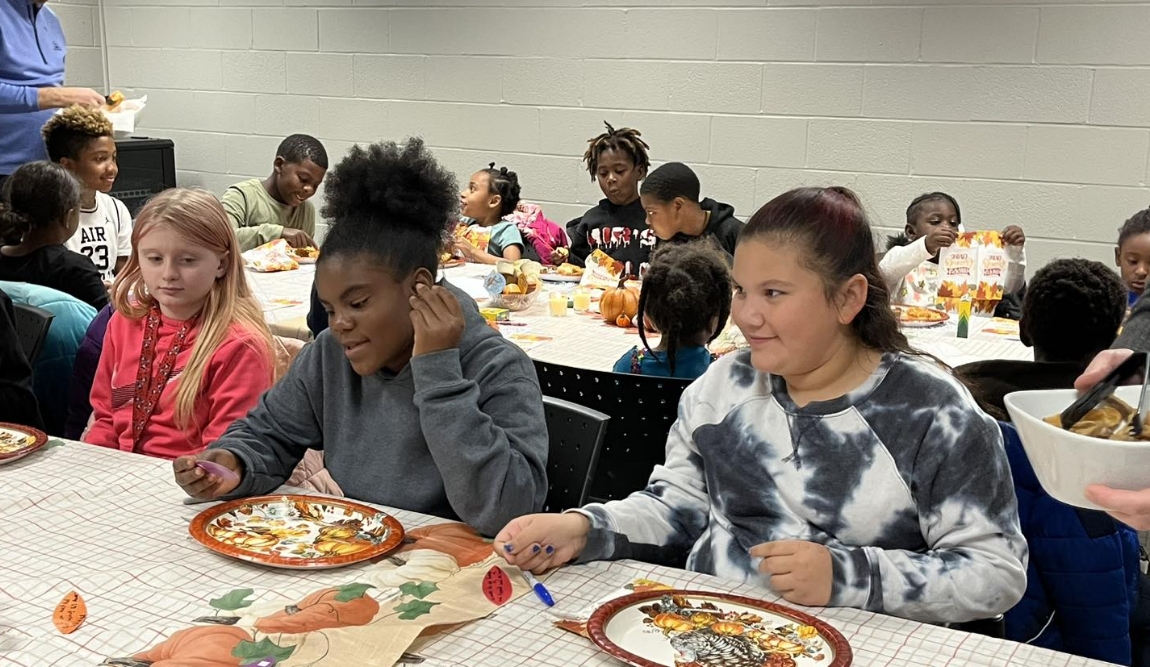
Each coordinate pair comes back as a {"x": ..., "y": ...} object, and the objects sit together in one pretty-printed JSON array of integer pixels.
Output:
[
  {"x": 557, "y": 304},
  {"x": 581, "y": 299}
]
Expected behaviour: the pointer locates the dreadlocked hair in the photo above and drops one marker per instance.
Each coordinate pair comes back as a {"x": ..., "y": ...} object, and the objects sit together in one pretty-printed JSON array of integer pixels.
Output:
[
  {"x": 625, "y": 139},
  {"x": 687, "y": 290},
  {"x": 1139, "y": 223},
  {"x": 505, "y": 184}
]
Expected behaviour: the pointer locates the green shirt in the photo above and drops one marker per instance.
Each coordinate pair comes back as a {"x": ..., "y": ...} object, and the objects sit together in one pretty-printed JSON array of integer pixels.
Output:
[{"x": 259, "y": 219}]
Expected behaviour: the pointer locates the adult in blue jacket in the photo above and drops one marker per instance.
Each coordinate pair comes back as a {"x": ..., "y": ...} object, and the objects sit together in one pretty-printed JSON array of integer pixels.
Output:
[{"x": 32, "y": 51}]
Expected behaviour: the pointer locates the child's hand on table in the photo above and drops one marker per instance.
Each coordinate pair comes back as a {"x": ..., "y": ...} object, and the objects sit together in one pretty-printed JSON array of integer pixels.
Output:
[
  {"x": 199, "y": 483},
  {"x": 799, "y": 571},
  {"x": 541, "y": 542},
  {"x": 1013, "y": 235},
  {"x": 436, "y": 318}
]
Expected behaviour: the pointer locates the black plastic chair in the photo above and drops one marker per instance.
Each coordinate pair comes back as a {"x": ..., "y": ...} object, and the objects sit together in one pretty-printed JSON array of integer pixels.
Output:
[
  {"x": 575, "y": 438},
  {"x": 32, "y": 325},
  {"x": 987, "y": 627},
  {"x": 642, "y": 410}
]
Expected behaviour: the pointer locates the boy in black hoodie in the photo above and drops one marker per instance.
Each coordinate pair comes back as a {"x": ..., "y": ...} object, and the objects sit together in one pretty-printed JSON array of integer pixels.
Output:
[
  {"x": 618, "y": 160},
  {"x": 670, "y": 197}
]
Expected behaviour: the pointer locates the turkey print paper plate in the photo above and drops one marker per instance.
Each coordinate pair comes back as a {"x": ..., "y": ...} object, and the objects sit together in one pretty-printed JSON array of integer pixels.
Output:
[
  {"x": 16, "y": 442},
  {"x": 297, "y": 532},
  {"x": 698, "y": 629}
]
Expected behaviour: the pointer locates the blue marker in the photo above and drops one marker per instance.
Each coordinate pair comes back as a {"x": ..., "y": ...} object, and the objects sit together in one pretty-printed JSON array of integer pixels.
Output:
[{"x": 540, "y": 590}]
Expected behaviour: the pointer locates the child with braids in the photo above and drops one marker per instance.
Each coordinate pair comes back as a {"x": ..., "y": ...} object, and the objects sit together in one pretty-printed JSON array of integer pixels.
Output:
[
  {"x": 489, "y": 196},
  {"x": 617, "y": 160},
  {"x": 80, "y": 139},
  {"x": 686, "y": 297},
  {"x": 415, "y": 401}
]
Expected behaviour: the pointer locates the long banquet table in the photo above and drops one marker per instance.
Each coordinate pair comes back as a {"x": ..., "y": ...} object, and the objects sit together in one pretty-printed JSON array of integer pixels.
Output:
[
  {"x": 583, "y": 341},
  {"x": 111, "y": 526}
]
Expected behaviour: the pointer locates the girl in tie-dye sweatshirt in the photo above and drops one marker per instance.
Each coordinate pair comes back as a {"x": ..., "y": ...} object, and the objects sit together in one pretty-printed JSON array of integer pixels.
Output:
[{"x": 829, "y": 459}]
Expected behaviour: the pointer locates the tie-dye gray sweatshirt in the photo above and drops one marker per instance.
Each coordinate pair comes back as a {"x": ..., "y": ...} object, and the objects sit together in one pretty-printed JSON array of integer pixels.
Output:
[{"x": 904, "y": 479}]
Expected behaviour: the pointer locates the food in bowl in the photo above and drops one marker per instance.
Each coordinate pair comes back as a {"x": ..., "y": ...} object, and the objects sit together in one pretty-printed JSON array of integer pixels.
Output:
[
  {"x": 520, "y": 284},
  {"x": 1066, "y": 462},
  {"x": 1112, "y": 419}
]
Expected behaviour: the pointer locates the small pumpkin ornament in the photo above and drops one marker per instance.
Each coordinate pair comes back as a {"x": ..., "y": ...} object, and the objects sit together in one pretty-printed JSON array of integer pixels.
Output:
[
  {"x": 623, "y": 321},
  {"x": 621, "y": 300},
  {"x": 727, "y": 628}
]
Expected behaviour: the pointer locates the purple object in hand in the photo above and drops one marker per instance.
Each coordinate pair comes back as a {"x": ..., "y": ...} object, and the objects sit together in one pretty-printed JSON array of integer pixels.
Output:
[{"x": 226, "y": 474}]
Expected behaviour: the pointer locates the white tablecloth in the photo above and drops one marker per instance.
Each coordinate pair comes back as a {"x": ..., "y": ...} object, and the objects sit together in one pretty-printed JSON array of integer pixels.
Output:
[
  {"x": 111, "y": 526},
  {"x": 584, "y": 341}
]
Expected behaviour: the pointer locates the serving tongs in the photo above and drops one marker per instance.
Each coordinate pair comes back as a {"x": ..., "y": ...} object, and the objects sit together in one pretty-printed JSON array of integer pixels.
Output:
[{"x": 1139, "y": 362}]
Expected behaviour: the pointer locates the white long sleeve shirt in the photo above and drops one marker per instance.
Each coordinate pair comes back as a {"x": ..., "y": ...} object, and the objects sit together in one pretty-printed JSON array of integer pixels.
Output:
[{"x": 913, "y": 279}]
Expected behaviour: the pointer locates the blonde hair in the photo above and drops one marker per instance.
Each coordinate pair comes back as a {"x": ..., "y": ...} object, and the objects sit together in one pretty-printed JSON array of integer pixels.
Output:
[
  {"x": 68, "y": 132},
  {"x": 198, "y": 217}
]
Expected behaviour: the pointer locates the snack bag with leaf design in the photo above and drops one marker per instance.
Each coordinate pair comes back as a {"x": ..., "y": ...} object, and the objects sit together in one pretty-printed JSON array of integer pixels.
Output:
[
  {"x": 974, "y": 266},
  {"x": 602, "y": 271}
]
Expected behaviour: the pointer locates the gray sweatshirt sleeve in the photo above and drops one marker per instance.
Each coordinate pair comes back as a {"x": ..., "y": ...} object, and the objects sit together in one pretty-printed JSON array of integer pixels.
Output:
[
  {"x": 485, "y": 436},
  {"x": 1136, "y": 330},
  {"x": 278, "y": 431}
]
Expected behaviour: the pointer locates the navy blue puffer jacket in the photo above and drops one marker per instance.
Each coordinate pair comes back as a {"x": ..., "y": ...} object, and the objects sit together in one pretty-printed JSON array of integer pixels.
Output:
[{"x": 1082, "y": 580}]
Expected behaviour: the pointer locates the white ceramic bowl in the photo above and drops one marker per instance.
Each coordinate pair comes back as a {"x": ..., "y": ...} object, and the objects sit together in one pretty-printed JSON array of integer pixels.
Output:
[{"x": 1066, "y": 463}]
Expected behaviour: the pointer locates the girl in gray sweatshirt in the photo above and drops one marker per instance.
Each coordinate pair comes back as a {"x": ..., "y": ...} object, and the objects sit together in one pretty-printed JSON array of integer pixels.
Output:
[{"x": 415, "y": 401}]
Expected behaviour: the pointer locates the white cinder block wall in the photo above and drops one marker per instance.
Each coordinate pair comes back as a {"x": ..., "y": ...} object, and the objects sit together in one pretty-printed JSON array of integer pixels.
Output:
[
  {"x": 81, "y": 22},
  {"x": 1033, "y": 113}
]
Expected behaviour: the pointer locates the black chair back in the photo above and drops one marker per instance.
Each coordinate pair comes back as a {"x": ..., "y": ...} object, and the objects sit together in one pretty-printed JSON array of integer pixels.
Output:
[
  {"x": 32, "y": 325},
  {"x": 575, "y": 437},
  {"x": 642, "y": 410}
]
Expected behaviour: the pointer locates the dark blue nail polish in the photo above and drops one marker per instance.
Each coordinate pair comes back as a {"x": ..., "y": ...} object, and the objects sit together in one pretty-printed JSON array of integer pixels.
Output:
[
  {"x": 508, "y": 548},
  {"x": 536, "y": 549},
  {"x": 550, "y": 549}
]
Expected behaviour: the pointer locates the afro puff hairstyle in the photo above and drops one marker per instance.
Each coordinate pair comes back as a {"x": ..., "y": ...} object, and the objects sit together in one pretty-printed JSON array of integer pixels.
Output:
[{"x": 392, "y": 202}]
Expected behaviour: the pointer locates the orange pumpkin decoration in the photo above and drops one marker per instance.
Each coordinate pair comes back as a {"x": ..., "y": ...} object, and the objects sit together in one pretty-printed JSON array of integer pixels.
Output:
[
  {"x": 623, "y": 321},
  {"x": 727, "y": 628},
  {"x": 621, "y": 300},
  {"x": 673, "y": 623},
  {"x": 318, "y": 611},
  {"x": 201, "y": 645}
]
